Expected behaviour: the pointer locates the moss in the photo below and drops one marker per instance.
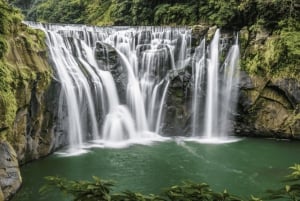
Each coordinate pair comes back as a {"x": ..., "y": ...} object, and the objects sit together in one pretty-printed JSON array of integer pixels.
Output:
[
  {"x": 272, "y": 52},
  {"x": 8, "y": 106},
  {"x": 271, "y": 59},
  {"x": 3, "y": 46},
  {"x": 23, "y": 64},
  {"x": 10, "y": 18},
  {"x": 291, "y": 122}
]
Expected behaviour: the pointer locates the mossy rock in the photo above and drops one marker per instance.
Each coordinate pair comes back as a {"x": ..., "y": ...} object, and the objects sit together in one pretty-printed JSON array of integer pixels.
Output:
[
  {"x": 25, "y": 76},
  {"x": 8, "y": 106}
]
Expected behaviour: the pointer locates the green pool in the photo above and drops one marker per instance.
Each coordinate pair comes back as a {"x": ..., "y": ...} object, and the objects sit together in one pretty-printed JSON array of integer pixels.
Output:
[{"x": 246, "y": 167}]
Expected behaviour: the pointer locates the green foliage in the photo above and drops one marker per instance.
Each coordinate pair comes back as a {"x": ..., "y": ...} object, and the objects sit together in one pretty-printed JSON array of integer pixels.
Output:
[
  {"x": 120, "y": 12},
  {"x": 219, "y": 13},
  {"x": 102, "y": 190},
  {"x": 233, "y": 14},
  {"x": 3, "y": 47},
  {"x": 197, "y": 192},
  {"x": 273, "y": 54},
  {"x": 295, "y": 175},
  {"x": 12, "y": 77},
  {"x": 58, "y": 11},
  {"x": 82, "y": 190},
  {"x": 265, "y": 58},
  {"x": 291, "y": 191},
  {"x": 141, "y": 9},
  {"x": 178, "y": 14},
  {"x": 98, "y": 13},
  {"x": 8, "y": 105},
  {"x": 188, "y": 191},
  {"x": 272, "y": 12},
  {"x": 10, "y": 18}
]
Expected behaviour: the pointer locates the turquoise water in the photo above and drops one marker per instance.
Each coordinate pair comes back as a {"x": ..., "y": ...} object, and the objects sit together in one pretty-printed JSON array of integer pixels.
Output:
[{"x": 246, "y": 167}]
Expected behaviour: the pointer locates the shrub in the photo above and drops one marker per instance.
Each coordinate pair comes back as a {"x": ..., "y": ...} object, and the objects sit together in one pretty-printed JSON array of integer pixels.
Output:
[{"x": 188, "y": 191}]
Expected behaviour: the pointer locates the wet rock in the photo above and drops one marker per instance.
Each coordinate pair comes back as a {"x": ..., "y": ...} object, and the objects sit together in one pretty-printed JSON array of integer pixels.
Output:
[
  {"x": 106, "y": 56},
  {"x": 108, "y": 59},
  {"x": 10, "y": 178},
  {"x": 211, "y": 32},
  {"x": 245, "y": 81},
  {"x": 31, "y": 132},
  {"x": 199, "y": 31},
  {"x": 177, "y": 103},
  {"x": 290, "y": 87},
  {"x": 144, "y": 37},
  {"x": 261, "y": 36}
]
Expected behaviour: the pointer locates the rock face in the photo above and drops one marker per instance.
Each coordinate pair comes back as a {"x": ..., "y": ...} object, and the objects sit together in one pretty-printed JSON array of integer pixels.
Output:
[
  {"x": 269, "y": 91},
  {"x": 269, "y": 107},
  {"x": 107, "y": 58},
  {"x": 177, "y": 106},
  {"x": 32, "y": 131},
  {"x": 10, "y": 177},
  {"x": 28, "y": 105}
]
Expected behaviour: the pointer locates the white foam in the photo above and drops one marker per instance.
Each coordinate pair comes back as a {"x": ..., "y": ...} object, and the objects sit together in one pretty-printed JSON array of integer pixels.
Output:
[
  {"x": 127, "y": 143},
  {"x": 212, "y": 140},
  {"x": 104, "y": 144},
  {"x": 69, "y": 152}
]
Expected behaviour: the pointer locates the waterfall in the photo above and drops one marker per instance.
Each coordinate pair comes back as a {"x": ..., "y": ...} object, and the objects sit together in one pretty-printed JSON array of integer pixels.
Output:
[
  {"x": 198, "y": 72},
  {"x": 230, "y": 81},
  {"x": 114, "y": 80},
  {"x": 220, "y": 87}
]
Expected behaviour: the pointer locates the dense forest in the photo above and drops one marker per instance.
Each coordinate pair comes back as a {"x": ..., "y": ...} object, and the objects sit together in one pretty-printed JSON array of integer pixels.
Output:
[
  {"x": 233, "y": 13},
  {"x": 277, "y": 20}
]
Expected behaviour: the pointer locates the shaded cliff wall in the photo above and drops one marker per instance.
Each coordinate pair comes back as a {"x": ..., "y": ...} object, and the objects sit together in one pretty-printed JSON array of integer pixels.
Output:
[
  {"x": 31, "y": 131},
  {"x": 27, "y": 99},
  {"x": 269, "y": 103}
]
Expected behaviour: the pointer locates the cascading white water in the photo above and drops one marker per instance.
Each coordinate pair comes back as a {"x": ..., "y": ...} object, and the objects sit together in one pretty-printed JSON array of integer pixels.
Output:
[
  {"x": 229, "y": 87},
  {"x": 78, "y": 98},
  {"x": 90, "y": 100},
  {"x": 221, "y": 89},
  {"x": 148, "y": 55},
  {"x": 92, "y": 106},
  {"x": 198, "y": 71},
  {"x": 212, "y": 98}
]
